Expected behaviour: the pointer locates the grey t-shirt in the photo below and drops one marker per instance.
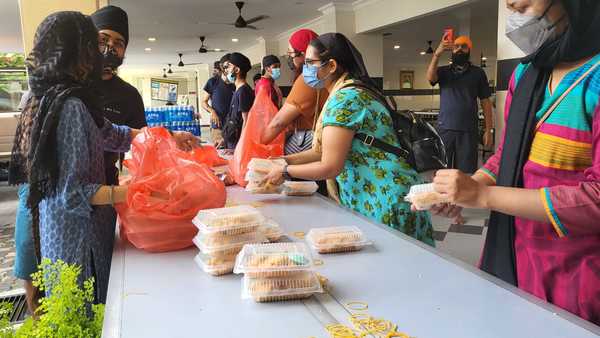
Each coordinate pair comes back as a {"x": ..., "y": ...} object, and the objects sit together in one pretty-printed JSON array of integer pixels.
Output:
[{"x": 458, "y": 97}]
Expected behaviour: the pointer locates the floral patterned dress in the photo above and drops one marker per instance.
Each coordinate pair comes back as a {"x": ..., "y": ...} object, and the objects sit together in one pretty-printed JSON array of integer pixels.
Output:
[{"x": 374, "y": 182}]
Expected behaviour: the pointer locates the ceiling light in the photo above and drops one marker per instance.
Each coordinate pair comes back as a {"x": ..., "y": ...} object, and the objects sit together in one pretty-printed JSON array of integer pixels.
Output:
[
  {"x": 396, "y": 47},
  {"x": 484, "y": 58},
  {"x": 235, "y": 40},
  {"x": 151, "y": 39},
  {"x": 423, "y": 53},
  {"x": 148, "y": 49},
  {"x": 217, "y": 49}
]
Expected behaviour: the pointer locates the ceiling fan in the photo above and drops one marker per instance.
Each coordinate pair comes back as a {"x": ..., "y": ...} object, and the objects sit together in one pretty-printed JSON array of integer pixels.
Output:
[
  {"x": 181, "y": 64},
  {"x": 203, "y": 49},
  {"x": 240, "y": 22}
]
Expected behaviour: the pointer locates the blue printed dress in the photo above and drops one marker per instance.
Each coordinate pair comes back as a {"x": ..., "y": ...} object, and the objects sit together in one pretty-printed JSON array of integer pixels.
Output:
[
  {"x": 373, "y": 182},
  {"x": 71, "y": 229}
]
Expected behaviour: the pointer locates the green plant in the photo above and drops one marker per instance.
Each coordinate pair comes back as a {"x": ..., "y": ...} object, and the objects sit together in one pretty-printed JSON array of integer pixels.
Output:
[
  {"x": 12, "y": 60},
  {"x": 66, "y": 312}
]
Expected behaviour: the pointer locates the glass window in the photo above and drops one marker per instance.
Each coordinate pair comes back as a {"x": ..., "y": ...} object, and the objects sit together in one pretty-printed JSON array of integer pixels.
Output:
[{"x": 13, "y": 81}]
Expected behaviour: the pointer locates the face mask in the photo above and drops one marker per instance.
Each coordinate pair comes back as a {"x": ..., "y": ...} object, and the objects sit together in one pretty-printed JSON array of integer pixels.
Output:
[
  {"x": 231, "y": 77},
  {"x": 311, "y": 77},
  {"x": 529, "y": 33},
  {"x": 111, "y": 60},
  {"x": 276, "y": 73},
  {"x": 460, "y": 58}
]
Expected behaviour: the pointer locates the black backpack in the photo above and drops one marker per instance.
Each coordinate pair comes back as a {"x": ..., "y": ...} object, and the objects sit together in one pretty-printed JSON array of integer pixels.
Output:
[
  {"x": 232, "y": 128},
  {"x": 420, "y": 144}
]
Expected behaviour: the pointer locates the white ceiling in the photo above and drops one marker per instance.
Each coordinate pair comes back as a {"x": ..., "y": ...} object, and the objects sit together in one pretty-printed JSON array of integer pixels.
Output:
[
  {"x": 10, "y": 27},
  {"x": 176, "y": 26}
]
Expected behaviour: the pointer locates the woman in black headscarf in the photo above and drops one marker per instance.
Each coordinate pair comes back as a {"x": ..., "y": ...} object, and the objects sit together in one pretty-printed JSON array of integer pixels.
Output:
[
  {"x": 371, "y": 181},
  {"x": 59, "y": 146},
  {"x": 543, "y": 183}
]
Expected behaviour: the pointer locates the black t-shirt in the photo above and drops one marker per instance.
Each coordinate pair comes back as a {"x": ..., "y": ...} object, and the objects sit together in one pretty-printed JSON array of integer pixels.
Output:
[
  {"x": 220, "y": 95},
  {"x": 458, "y": 97},
  {"x": 123, "y": 105},
  {"x": 242, "y": 101}
]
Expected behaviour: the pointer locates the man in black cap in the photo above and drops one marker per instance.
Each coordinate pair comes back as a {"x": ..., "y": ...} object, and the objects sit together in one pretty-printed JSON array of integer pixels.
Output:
[
  {"x": 219, "y": 93},
  {"x": 242, "y": 100},
  {"x": 123, "y": 104}
]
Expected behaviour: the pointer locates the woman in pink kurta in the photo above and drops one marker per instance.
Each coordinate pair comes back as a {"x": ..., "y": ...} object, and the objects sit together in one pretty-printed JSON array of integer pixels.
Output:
[{"x": 543, "y": 183}]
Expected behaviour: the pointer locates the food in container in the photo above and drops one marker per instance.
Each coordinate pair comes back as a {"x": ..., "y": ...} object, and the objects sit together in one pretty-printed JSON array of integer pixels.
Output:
[
  {"x": 299, "y": 286},
  {"x": 261, "y": 165},
  {"x": 273, "y": 260},
  {"x": 337, "y": 239},
  {"x": 215, "y": 265},
  {"x": 299, "y": 188},
  {"x": 229, "y": 221},
  {"x": 424, "y": 196}
]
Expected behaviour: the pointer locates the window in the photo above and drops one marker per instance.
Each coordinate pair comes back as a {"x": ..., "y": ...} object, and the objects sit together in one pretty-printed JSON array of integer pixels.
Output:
[{"x": 13, "y": 81}]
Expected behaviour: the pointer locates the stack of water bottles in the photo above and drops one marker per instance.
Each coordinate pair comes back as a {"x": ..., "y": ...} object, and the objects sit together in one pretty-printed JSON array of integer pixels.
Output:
[{"x": 174, "y": 118}]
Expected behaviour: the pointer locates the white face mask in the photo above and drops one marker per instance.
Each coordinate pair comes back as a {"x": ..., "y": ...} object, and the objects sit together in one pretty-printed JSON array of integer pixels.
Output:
[{"x": 529, "y": 32}]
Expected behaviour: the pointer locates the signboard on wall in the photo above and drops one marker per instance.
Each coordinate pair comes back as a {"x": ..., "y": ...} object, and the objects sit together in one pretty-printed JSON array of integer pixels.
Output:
[{"x": 164, "y": 90}]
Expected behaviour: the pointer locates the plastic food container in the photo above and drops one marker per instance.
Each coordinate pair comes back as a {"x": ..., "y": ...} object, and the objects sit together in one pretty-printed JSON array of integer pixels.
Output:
[
  {"x": 337, "y": 239},
  {"x": 299, "y": 188},
  {"x": 273, "y": 260},
  {"x": 424, "y": 196},
  {"x": 216, "y": 266},
  {"x": 226, "y": 245},
  {"x": 256, "y": 188},
  {"x": 300, "y": 286},
  {"x": 255, "y": 177},
  {"x": 229, "y": 221},
  {"x": 264, "y": 166},
  {"x": 271, "y": 230}
]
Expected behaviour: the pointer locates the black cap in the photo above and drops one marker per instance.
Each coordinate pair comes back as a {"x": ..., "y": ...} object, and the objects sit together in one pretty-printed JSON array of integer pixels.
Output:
[
  {"x": 113, "y": 18},
  {"x": 241, "y": 61},
  {"x": 270, "y": 60},
  {"x": 225, "y": 58}
]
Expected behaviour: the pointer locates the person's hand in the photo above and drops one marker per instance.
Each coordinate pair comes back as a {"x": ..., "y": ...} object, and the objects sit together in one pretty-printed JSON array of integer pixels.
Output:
[
  {"x": 445, "y": 45},
  {"x": 214, "y": 119},
  {"x": 449, "y": 211},
  {"x": 488, "y": 138},
  {"x": 186, "y": 141},
  {"x": 275, "y": 177},
  {"x": 461, "y": 189}
]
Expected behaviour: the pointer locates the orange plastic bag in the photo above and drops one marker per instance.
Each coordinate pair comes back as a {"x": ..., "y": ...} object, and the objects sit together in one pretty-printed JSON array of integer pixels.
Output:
[
  {"x": 166, "y": 191},
  {"x": 249, "y": 146},
  {"x": 208, "y": 155}
]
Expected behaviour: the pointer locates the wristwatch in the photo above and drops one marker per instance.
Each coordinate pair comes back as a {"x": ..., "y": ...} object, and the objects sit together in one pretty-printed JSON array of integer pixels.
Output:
[{"x": 285, "y": 173}]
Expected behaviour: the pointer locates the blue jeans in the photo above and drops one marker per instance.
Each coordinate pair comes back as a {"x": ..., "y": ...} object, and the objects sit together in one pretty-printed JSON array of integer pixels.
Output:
[{"x": 25, "y": 259}]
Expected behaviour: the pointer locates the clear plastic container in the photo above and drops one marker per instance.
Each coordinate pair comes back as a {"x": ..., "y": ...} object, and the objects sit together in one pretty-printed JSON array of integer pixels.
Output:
[
  {"x": 229, "y": 221},
  {"x": 254, "y": 177},
  {"x": 216, "y": 266},
  {"x": 273, "y": 260},
  {"x": 300, "y": 188},
  {"x": 225, "y": 245},
  {"x": 299, "y": 286},
  {"x": 262, "y": 165},
  {"x": 424, "y": 196},
  {"x": 257, "y": 188},
  {"x": 271, "y": 230},
  {"x": 337, "y": 239}
]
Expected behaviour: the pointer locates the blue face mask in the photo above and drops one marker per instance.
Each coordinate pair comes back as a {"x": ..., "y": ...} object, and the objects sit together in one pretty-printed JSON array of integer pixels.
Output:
[
  {"x": 231, "y": 77},
  {"x": 311, "y": 78},
  {"x": 276, "y": 73}
]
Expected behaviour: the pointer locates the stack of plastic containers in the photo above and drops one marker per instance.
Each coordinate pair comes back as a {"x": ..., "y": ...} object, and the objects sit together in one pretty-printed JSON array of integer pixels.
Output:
[
  {"x": 222, "y": 234},
  {"x": 175, "y": 118},
  {"x": 277, "y": 272},
  {"x": 337, "y": 239}
]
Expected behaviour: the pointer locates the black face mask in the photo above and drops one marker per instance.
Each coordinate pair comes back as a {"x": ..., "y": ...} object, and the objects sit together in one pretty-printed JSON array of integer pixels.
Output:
[
  {"x": 111, "y": 60},
  {"x": 460, "y": 59}
]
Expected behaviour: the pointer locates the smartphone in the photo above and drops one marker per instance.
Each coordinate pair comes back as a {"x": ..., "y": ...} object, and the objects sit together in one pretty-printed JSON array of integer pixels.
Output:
[{"x": 449, "y": 34}]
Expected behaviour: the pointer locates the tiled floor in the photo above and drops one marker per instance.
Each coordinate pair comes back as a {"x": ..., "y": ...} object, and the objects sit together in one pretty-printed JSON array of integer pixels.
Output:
[{"x": 462, "y": 242}]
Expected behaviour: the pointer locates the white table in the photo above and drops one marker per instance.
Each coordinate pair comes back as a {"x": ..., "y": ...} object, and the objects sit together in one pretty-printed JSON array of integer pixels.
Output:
[{"x": 426, "y": 293}]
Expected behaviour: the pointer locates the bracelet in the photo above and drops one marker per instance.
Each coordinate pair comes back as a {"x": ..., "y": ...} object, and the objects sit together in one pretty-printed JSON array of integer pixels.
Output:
[{"x": 285, "y": 173}]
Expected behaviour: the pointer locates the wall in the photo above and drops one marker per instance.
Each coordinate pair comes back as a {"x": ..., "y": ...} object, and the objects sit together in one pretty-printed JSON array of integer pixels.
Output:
[
  {"x": 33, "y": 12},
  {"x": 375, "y": 14}
]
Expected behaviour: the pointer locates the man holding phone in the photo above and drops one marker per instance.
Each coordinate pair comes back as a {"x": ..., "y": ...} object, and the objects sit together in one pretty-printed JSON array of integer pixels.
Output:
[{"x": 461, "y": 84}]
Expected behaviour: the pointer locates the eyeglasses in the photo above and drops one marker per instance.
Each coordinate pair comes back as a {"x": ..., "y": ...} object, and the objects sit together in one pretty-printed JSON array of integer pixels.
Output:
[
  {"x": 294, "y": 54},
  {"x": 462, "y": 46},
  {"x": 105, "y": 41},
  {"x": 310, "y": 62}
]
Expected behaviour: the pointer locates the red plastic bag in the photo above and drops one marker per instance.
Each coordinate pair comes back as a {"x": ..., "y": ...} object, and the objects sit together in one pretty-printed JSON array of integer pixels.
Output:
[
  {"x": 166, "y": 191},
  {"x": 208, "y": 155},
  {"x": 249, "y": 146}
]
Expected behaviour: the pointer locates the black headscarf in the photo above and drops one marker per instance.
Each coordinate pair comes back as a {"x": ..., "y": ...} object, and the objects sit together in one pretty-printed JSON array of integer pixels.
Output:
[
  {"x": 579, "y": 41},
  {"x": 337, "y": 46},
  {"x": 64, "y": 62},
  {"x": 113, "y": 18}
]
